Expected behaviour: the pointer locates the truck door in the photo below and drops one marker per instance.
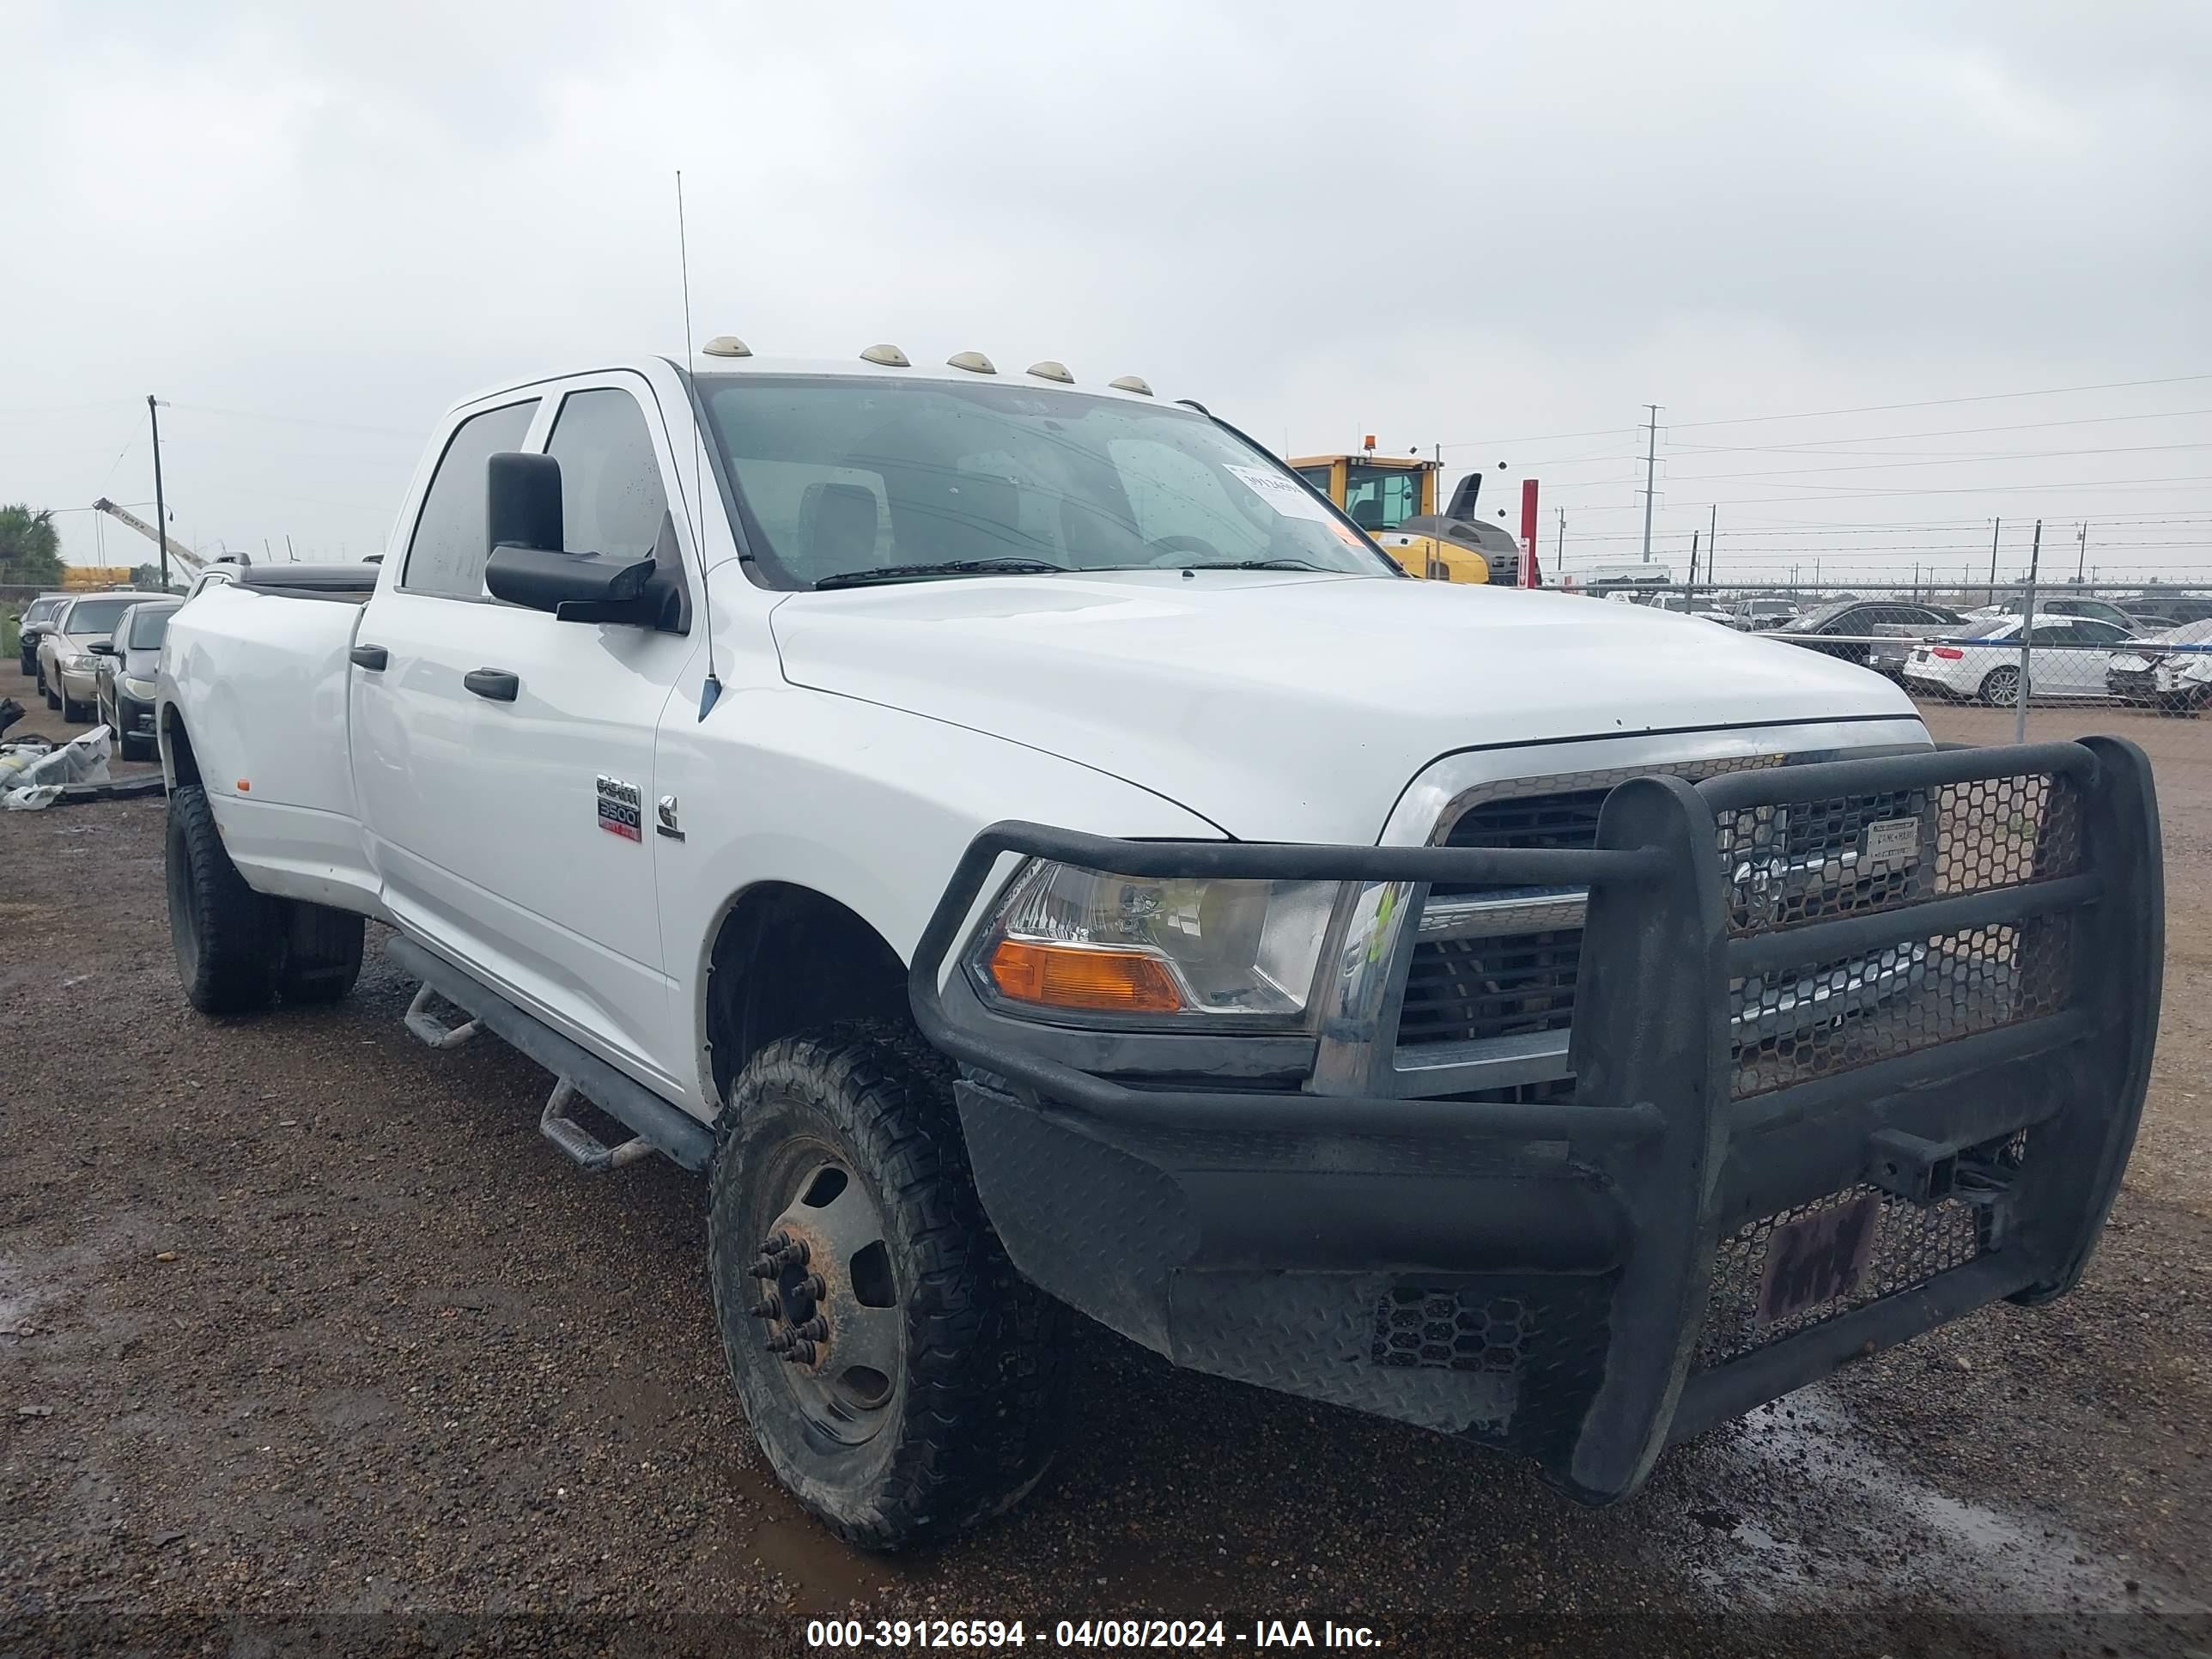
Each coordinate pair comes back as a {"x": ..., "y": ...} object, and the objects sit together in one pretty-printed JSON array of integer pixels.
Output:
[{"x": 505, "y": 758}]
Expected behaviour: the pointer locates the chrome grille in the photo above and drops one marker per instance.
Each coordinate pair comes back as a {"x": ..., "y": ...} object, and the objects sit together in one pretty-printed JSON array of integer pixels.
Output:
[
  {"x": 1474, "y": 978},
  {"x": 1465, "y": 989}
]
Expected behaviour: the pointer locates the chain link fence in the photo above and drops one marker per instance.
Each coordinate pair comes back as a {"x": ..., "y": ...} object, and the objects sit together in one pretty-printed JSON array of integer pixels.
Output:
[{"x": 2133, "y": 649}]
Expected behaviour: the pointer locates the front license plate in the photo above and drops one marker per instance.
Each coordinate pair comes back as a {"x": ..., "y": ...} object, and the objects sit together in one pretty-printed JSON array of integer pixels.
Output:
[{"x": 1817, "y": 1258}]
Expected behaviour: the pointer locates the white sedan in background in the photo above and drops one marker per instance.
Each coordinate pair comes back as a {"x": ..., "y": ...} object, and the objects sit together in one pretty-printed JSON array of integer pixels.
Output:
[{"x": 2069, "y": 658}]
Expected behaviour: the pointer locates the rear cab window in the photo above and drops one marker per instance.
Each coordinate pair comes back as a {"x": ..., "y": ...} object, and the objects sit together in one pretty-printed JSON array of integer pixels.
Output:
[{"x": 445, "y": 555}]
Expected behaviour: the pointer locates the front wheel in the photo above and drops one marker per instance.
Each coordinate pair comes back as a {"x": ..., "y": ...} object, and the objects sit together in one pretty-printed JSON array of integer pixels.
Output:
[
  {"x": 901, "y": 1380},
  {"x": 2001, "y": 687}
]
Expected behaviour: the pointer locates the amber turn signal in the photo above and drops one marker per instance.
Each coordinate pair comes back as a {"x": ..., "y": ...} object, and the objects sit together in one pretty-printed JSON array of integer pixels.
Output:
[{"x": 1083, "y": 976}]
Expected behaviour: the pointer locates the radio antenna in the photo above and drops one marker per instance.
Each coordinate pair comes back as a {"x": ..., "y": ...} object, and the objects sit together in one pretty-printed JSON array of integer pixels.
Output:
[{"x": 710, "y": 689}]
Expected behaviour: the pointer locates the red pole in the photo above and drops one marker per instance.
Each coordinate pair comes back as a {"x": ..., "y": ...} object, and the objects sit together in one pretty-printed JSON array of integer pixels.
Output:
[{"x": 1528, "y": 576}]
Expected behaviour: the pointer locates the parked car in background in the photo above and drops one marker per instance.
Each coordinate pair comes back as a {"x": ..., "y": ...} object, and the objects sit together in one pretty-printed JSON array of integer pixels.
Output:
[
  {"x": 1688, "y": 604},
  {"x": 36, "y": 615},
  {"x": 2146, "y": 623},
  {"x": 1840, "y": 628},
  {"x": 127, "y": 669},
  {"x": 2176, "y": 673},
  {"x": 1757, "y": 615},
  {"x": 2073, "y": 605},
  {"x": 2178, "y": 608},
  {"x": 1983, "y": 662},
  {"x": 66, "y": 661}
]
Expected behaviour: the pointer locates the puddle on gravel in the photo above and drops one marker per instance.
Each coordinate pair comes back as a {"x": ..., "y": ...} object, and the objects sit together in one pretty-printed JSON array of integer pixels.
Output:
[
  {"x": 1840, "y": 1520},
  {"x": 823, "y": 1574}
]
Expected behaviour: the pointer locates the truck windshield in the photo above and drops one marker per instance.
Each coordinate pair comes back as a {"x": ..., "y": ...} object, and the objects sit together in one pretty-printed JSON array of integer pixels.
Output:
[{"x": 844, "y": 475}]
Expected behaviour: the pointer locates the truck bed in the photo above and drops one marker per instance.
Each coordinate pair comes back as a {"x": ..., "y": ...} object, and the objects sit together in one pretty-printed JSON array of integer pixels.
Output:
[
  {"x": 260, "y": 686},
  {"x": 348, "y": 584}
]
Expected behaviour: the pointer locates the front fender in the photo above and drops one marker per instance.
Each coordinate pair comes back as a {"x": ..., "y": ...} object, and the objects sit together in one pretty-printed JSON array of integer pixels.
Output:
[{"x": 869, "y": 805}]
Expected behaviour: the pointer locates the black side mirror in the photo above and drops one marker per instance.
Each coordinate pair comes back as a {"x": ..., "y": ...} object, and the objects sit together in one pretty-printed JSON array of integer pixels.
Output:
[
  {"x": 528, "y": 565},
  {"x": 522, "y": 502},
  {"x": 103, "y": 648}
]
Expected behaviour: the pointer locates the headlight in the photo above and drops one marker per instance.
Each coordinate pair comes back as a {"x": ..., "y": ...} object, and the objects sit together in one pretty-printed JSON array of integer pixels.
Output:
[
  {"x": 141, "y": 689},
  {"x": 1084, "y": 941},
  {"x": 79, "y": 662}
]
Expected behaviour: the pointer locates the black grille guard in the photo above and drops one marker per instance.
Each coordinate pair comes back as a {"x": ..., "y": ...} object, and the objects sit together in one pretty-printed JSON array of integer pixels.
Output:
[{"x": 2035, "y": 887}]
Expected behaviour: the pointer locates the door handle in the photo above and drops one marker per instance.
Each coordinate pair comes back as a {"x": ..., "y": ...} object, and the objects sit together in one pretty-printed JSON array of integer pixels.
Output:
[
  {"x": 493, "y": 683},
  {"x": 369, "y": 656}
]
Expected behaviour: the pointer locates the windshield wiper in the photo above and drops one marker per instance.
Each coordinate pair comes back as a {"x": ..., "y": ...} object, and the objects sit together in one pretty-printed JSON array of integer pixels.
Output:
[
  {"x": 1263, "y": 564},
  {"x": 894, "y": 572}
]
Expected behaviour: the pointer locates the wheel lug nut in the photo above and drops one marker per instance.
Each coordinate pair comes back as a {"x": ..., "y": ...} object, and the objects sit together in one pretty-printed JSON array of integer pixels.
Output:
[
  {"x": 800, "y": 1353},
  {"x": 813, "y": 1288},
  {"x": 762, "y": 1269},
  {"x": 816, "y": 1328},
  {"x": 766, "y": 1307}
]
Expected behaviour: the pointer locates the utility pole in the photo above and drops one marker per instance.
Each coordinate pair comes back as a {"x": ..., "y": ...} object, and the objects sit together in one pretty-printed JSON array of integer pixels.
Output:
[
  {"x": 1995, "y": 524},
  {"x": 2083, "y": 557},
  {"x": 1694, "y": 563},
  {"x": 1712, "y": 539},
  {"x": 1650, "y": 476},
  {"x": 2027, "y": 628},
  {"x": 161, "y": 507},
  {"x": 1559, "y": 552}
]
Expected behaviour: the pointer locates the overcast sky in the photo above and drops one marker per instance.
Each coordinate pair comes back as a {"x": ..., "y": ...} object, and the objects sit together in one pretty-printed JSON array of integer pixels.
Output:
[{"x": 311, "y": 226}]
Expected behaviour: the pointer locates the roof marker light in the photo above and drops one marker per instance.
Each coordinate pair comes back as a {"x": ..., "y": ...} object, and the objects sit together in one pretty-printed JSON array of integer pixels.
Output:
[
  {"x": 725, "y": 345},
  {"x": 888, "y": 355},
  {"x": 1131, "y": 383},
  {"x": 974, "y": 361},
  {"x": 1050, "y": 370}
]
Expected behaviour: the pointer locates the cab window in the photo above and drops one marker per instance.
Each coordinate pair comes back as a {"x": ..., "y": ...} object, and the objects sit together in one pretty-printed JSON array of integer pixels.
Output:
[
  {"x": 1380, "y": 497},
  {"x": 612, "y": 500},
  {"x": 445, "y": 556}
]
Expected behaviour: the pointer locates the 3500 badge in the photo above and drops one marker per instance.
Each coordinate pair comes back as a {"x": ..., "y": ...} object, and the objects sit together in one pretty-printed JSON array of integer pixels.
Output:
[{"x": 622, "y": 809}]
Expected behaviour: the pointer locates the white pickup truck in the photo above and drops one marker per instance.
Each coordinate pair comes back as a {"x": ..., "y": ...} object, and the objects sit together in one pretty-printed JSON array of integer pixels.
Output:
[{"x": 1031, "y": 852}]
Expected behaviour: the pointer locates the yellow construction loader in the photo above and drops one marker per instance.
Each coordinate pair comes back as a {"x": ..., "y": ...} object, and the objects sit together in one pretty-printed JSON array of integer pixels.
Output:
[{"x": 1394, "y": 499}]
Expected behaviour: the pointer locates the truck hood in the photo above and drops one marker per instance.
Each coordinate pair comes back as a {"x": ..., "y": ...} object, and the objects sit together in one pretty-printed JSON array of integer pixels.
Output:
[{"x": 1293, "y": 708}]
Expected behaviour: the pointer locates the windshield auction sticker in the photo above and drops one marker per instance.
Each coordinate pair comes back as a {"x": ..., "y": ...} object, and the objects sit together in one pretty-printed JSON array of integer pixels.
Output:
[{"x": 1286, "y": 495}]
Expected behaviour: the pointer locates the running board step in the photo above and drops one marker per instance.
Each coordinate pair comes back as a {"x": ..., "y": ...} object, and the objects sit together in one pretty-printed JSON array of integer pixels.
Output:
[
  {"x": 587, "y": 1149},
  {"x": 655, "y": 1123},
  {"x": 424, "y": 1024}
]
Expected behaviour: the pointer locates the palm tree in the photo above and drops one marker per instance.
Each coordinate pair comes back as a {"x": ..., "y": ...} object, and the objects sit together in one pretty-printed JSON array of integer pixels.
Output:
[{"x": 30, "y": 547}]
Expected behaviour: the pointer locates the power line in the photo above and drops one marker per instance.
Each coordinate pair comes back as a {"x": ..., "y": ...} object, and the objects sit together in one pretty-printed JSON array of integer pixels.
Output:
[
  {"x": 298, "y": 420},
  {"x": 1947, "y": 460},
  {"x": 1537, "y": 438},
  {"x": 1813, "y": 445},
  {"x": 1938, "y": 403}
]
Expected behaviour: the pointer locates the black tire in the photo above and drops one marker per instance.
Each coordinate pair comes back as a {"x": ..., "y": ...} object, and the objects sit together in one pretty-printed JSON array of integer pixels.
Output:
[
  {"x": 2000, "y": 687},
  {"x": 53, "y": 697},
  {"x": 134, "y": 748},
  {"x": 973, "y": 1408},
  {"x": 322, "y": 952},
  {"x": 226, "y": 936}
]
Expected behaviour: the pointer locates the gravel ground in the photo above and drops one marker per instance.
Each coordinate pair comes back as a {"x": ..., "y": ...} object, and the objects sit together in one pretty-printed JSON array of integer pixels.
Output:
[{"x": 309, "y": 1343}]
